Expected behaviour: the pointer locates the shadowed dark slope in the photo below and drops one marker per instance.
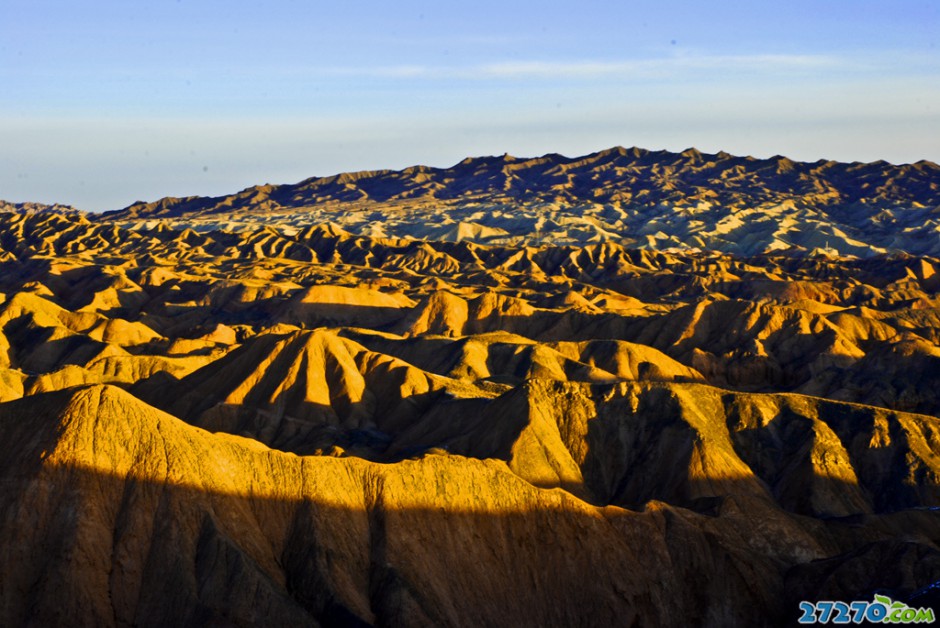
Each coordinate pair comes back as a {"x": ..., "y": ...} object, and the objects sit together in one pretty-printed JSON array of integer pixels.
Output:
[
  {"x": 618, "y": 175},
  {"x": 114, "y": 513}
]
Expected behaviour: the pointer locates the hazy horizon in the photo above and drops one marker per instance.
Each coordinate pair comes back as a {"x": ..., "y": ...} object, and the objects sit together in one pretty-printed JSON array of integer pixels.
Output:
[{"x": 105, "y": 104}]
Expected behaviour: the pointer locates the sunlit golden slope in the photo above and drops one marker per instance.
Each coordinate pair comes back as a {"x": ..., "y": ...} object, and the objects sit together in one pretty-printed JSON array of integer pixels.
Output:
[
  {"x": 854, "y": 330},
  {"x": 139, "y": 518}
]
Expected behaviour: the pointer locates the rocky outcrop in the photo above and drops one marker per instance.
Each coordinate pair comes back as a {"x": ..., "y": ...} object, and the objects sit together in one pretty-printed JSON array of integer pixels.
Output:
[{"x": 116, "y": 513}]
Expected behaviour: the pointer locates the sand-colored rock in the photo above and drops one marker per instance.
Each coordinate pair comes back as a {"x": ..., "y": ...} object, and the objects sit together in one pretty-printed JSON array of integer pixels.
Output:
[
  {"x": 631, "y": 388},
  {"x": 143, "y": 519}
]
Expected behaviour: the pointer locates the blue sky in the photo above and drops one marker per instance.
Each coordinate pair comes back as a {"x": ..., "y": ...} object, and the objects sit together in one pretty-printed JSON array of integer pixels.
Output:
[{"x": 105, "y": 103}]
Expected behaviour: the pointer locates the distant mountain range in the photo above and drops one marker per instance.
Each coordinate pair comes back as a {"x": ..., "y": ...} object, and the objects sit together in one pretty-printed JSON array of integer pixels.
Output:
[
  {"x": 623, "y": 177},
  {"x": 638, "y": 198},
  {"x": 38, "y": 208}
]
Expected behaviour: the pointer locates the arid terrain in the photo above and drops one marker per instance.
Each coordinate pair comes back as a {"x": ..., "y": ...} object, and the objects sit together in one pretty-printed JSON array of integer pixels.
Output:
[{"x": 630, "y": 389}]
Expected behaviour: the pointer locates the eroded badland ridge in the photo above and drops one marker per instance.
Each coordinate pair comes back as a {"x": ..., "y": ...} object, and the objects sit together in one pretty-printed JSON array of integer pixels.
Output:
[{"x": 283, "y": 408}]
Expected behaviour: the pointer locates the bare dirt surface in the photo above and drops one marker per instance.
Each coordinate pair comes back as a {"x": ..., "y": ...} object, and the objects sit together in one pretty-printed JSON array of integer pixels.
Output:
[{"x": 631, "y": 388}]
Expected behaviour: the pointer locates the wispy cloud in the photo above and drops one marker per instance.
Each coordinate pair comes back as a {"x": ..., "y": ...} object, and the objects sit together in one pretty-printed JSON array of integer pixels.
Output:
[
  {"x": 381, "y": 71},
  {"x": 590, "y": 69},
  {"x": 646, "y": 67}
]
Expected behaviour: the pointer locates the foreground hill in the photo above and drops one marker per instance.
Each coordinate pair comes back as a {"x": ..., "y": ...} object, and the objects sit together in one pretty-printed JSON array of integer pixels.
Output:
[
  {"x": 635, "y": 197},
  {"x": 299, "y": 425},
  {"x": 115, "y": 513}
]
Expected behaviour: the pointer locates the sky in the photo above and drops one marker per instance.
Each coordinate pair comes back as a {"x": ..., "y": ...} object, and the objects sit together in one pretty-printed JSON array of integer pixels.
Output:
[{"x": 103, "y": 103}]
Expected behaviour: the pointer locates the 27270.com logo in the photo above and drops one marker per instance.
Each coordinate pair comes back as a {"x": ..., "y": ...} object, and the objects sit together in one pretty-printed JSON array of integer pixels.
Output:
[{"x": 883, "y": 610}]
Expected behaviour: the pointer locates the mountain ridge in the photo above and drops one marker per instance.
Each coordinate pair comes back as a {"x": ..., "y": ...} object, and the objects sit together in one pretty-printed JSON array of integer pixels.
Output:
[
  {"x": 642, "y": 199},
  {"x": 486, "y": 165}
]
